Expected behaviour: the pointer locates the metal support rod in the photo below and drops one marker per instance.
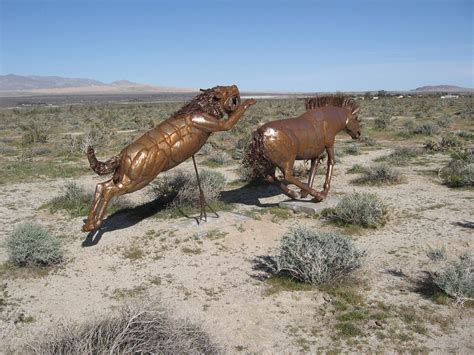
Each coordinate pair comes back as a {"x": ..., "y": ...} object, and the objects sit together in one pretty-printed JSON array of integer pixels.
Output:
[{"x": 202, "y": 199}]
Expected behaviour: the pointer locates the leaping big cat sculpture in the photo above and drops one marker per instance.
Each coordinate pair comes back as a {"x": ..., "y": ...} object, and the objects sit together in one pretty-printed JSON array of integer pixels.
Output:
[
  {"x": 164, "y": 147},
  {"x": 279, "y": 143}
]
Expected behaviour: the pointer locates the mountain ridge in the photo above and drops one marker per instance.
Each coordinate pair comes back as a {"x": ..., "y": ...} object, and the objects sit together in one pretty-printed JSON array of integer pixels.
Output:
[
  {"x": 442, "y": 88},
  {"x": 61, "y": 85}
]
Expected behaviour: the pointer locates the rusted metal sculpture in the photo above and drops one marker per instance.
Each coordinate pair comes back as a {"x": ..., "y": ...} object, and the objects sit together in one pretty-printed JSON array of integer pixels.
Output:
[
  {"x": 163, "y": 147},
  {"x": 279, "y": 143}
]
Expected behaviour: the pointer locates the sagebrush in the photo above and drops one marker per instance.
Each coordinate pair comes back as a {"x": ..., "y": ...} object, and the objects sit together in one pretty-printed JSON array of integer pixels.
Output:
[
  {"x": 30, "y": 244},
  {"x": 317, "y": 257},
  {"x": 180, "y": 188},
  {"x": 362, "y": 209},
  {"x": 379, "y": 175},
  {"x": 459, "y": 172},
  {"x": 457, "y": 279}
]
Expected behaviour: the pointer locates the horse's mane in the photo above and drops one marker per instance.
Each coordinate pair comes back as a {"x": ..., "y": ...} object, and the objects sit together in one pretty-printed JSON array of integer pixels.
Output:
[
  {"x": 331, "y": 100},
  {"x": 205, "y": 102}
]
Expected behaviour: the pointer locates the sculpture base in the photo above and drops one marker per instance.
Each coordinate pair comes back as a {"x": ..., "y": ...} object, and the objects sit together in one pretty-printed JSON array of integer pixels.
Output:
[{"x": 309, "y": 207}]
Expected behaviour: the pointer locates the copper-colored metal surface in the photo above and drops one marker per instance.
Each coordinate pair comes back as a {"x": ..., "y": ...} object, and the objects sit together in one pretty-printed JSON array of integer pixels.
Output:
[
  {"x": 279, "y": 143},
  {"x": 163, "y": 147}
]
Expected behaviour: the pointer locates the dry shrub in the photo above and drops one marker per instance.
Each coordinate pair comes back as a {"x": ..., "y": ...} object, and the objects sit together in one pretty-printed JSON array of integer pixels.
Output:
[
  {"x": 31, "y": 245},
  {"x": 181, "y": 188},
  {"x": 316, "y": 257},
  {"x": 457, "y": 279},
  {"x": 361, "y": 208},
  {"x": 460, "y": 170},
  {"x": 379, "y": 175},
  {"x": 141, "y": 328},
  {"x": 400, "y": 156}
]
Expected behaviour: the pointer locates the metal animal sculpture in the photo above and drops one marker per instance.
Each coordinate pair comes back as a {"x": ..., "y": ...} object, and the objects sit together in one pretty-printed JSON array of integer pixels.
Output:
[
  {"x": 279, "y": 143},
  {"x": 163, "y": 147}
]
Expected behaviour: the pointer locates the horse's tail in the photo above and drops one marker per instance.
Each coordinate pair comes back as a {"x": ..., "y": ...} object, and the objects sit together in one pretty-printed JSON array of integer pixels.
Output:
[
  {"x": 255, "y": 166},
  {"x": 102, "y": 168}
]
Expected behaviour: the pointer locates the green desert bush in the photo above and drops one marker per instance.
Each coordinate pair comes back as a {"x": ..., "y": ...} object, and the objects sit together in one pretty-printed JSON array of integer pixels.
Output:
[
  {"x": 381, "y": 174},
  {"x": 35, "y": 131},
  {"x": 445, "y": 121},
  {"x": 181, "y": 188},
  {"x": 31, "y": 245},
  {"x": 220, "y": 158},
  {"x": 460, "y": 170},
  {"x": 383, "y": 120},
  {"x": 356, "y": 169},
  {"x": 436, "y": 255},
  {"x": 465, "y": 135},
  {"x": 317, "y": 257},
  {"x": 367, "y": 140},
  {"x": 400, "y": 156},
  {"x": 362, "y": 209},
  {"x": 140, "y": 328},
  {"x": 457, "y": 279},
  {"x": 352, "y": 149},
  {"x": 427, "y": 129}
]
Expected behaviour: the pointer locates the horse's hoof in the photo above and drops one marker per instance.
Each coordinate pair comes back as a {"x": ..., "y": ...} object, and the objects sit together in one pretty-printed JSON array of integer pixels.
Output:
[
  {"x": 318, "y": 198},
  {"x": 88, "y": 227},
  {"x": 303, "y": 194}
]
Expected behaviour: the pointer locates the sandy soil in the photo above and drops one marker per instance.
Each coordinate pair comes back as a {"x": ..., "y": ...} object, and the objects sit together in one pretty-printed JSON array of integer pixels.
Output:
[{"x": 214, "y": 281}]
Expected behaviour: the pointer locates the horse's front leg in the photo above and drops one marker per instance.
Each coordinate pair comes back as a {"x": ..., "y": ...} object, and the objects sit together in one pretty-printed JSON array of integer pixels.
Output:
[{"x": 327, "y": 182}]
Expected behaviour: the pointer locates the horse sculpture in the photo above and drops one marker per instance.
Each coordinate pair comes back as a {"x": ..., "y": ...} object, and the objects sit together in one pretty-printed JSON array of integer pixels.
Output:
[
  {"x": 279, "y": 143},
  {"x": 163, "y": 147}
]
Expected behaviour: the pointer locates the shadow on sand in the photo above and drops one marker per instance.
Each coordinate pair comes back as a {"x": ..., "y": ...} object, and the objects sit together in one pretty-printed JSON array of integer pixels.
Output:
[{"x": 248, "y": 195}]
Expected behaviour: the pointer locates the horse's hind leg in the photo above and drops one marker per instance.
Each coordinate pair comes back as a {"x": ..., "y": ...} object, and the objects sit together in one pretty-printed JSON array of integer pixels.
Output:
[
  {"x": 288, "y": 174},
  {"x": 275, "y": 181},
  {"x": 312, "y": 174},
  {"x": 109, "y": 190},
  {"x": 96, "y": 202}
]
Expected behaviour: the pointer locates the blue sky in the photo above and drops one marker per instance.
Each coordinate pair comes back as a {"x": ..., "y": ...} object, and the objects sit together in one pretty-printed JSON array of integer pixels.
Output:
[{"x": 258, "y": 45}]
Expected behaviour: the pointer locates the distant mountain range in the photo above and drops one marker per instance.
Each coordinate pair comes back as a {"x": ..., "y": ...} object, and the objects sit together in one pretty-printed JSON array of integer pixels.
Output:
[
  {"x": 443, "y": 88},
  {"x": 13, "y": 85},
  {"x": 58, "y": 85}
]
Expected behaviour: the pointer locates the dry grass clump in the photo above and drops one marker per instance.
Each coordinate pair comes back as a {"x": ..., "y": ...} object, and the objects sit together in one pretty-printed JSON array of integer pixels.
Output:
[
  {"x": 317, "y": 258},
  {"x": 361, "y": 209},
  {"x": 134, "y": 329},
  {"x": 381, "y": 174},
  {"x": 31, "y": 245},
  {"x": 181, "y": 188}
]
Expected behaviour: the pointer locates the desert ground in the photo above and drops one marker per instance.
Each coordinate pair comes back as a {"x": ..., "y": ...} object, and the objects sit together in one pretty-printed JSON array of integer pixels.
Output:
[{"x": 211, "y": 273}]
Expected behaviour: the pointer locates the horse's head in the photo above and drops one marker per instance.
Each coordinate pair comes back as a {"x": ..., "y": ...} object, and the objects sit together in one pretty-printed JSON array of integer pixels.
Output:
[
  {"x": 225, "y": 99},
  {"x": 352, "y": 124}
]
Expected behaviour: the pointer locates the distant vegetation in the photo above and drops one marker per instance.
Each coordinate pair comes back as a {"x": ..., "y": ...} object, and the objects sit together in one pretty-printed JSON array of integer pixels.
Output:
[{"x": 49, "y": 142}]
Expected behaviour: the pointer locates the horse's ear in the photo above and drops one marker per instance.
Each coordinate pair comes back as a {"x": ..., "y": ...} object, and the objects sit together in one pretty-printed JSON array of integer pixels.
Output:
[
  {"x": 355, "y": 111},
  {"x": 203, "y": 90}
]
